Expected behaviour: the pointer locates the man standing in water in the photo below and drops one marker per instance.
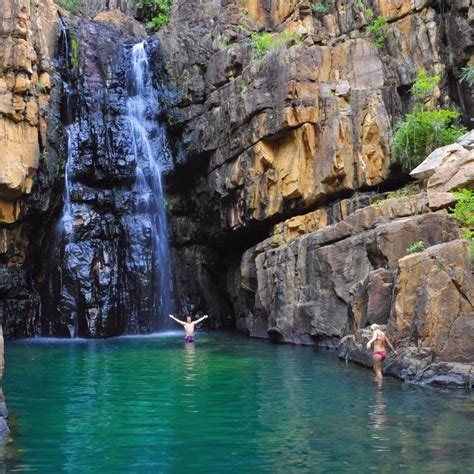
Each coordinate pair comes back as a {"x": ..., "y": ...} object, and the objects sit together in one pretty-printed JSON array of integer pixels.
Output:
[
  {"x": 189, "y": 326},
  {"x": 379, "y": 354}
]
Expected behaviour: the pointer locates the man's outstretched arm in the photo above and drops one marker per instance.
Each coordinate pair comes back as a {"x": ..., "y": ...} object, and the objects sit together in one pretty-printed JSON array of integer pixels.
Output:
[
  {"x": 201, "y": 319},
  {"x": 177, "y": 320}
]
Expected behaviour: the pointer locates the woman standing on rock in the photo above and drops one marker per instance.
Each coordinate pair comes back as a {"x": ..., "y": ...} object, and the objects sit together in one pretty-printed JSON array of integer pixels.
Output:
[{"x": 379, "y": 354}]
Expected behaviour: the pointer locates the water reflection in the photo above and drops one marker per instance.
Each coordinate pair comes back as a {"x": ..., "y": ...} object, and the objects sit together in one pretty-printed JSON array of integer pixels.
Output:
[
  {"x": 189, "y": 361},
  {"x": 378, "y": 425},
  {"x": 377, "y": 416}
]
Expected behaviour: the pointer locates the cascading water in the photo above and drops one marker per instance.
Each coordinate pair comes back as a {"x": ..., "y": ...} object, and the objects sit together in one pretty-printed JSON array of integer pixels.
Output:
[
  {"x": 65, "y": 229},
  {"x": 153, "y": 157},
  {"x": 111, "y": 270}
]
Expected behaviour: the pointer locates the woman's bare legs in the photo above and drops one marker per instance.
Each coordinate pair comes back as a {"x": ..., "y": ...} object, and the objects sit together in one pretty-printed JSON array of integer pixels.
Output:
[{"x": 378, "y": 367}]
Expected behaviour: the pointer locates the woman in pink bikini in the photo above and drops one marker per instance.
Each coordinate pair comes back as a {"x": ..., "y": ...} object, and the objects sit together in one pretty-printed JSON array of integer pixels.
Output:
[{"x": 379, "y": 339}]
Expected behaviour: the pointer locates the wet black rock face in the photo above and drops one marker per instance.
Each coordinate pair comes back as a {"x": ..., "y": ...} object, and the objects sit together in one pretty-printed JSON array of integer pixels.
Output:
[{"x": 103, "y": 274}]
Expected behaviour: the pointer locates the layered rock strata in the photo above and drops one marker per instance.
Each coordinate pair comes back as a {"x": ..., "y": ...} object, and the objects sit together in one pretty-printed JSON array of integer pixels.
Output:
[
  {"x": 294, "y": 141},
  {"x": 29, "y": 106}
]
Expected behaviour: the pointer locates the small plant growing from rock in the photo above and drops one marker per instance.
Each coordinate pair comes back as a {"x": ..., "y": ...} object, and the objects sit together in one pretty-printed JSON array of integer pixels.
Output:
[
  {"x": 369, "y": 14},
  {"x": 464, "y": 211},
  {"x": 75, "y": 53},
  {"x": 416, "y": 247},
  {"x": 322, "y": 7},
  {"x": 40, "y": 87},
  {"x": 424, "y": 130},
  {"x": 61, "y": 168},
  {"x": 467, "y": 75},
  {"x": 378, "y": 30},
  {"x": 223, "y": 43},
  {"x": 278, "y": 237},
  {"x": 264, "y": 42}
]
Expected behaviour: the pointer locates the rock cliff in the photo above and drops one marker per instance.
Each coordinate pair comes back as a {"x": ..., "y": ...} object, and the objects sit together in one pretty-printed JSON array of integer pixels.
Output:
[
  {"x": 283, "y": 159},
  {"x": 28, "y": 160}
]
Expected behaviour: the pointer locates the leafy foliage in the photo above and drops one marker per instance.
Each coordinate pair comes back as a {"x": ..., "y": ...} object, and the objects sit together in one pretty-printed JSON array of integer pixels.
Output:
[
  {"x": 415, "y": 247},
  {"x": 424, "y": 85},
  {"x": 159, "y": 12},
  {"x": 72, "y": 6},
  {"x": 424, "y": 130},
  {"x": 378, "y": 30},
  {"x": 322, "y": 7},
  {"x": 467, "y": 74},
  {"x": 464, "y": 209},
  {"x": 420, "y": 133},
  {"x": 264, "y": 42}
]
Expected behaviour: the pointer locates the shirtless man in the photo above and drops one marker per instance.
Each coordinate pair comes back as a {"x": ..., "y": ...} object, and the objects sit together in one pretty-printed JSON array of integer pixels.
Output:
[
  {"x": 379, "y": 353},
  {"x": 189, "y": 326}
]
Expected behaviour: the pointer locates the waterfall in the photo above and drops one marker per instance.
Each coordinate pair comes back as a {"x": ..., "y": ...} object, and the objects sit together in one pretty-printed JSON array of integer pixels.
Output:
[
  {"x": 64, "y": 235},
  {"x": 152, "y": 156},
  {"x": 110, "y": 270}
]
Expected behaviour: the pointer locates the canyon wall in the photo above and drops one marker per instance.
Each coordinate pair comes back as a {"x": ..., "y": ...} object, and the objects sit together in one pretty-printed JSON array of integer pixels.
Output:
[
  {"x": 283, "y": 164},
  {"x": 29, "y": 156}
]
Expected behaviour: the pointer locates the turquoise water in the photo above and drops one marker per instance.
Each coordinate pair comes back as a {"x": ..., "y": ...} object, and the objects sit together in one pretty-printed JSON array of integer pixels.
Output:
[{"x": 225, "y": 404}]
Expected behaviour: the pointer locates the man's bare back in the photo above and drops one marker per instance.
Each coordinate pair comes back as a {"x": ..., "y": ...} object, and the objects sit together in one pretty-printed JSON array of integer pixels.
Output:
[{"x": 189, "y": 326}]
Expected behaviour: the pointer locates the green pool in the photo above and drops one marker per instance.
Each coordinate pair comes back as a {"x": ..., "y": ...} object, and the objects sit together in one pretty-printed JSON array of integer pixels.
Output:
[{"x": 225, "y": 404}]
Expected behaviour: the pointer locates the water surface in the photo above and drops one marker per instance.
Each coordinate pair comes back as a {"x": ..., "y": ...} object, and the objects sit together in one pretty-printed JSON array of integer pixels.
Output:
[{"x": 224, "y": 404}]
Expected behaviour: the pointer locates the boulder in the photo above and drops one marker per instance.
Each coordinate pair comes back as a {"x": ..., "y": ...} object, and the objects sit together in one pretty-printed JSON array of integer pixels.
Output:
[
  {"x": 371, "y": 298},
  {"x": 433, "y": 303},
  {"x": 116, "y": 17},
  {"x": 448, "y": 168},
  {"x": 432, "y": 319}
]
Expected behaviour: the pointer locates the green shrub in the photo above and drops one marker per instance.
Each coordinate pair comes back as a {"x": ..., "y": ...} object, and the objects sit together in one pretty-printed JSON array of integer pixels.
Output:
[
  {"x": 378, "y": 30},
  {"x": 415, "y": 247},
  {"x": 159, "y": 12},
  {"x": 424, "y": 85},
  {"x": 467, "y": 74},
  {"x": 464, "y": 209},
  {"x": 72, "y": 6},
  {"x": 264, "y": 42},
  {"x": 322, "y": 7},
  {"x": 468, "y": 234},
  {"x": 424, "y": 130}
]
